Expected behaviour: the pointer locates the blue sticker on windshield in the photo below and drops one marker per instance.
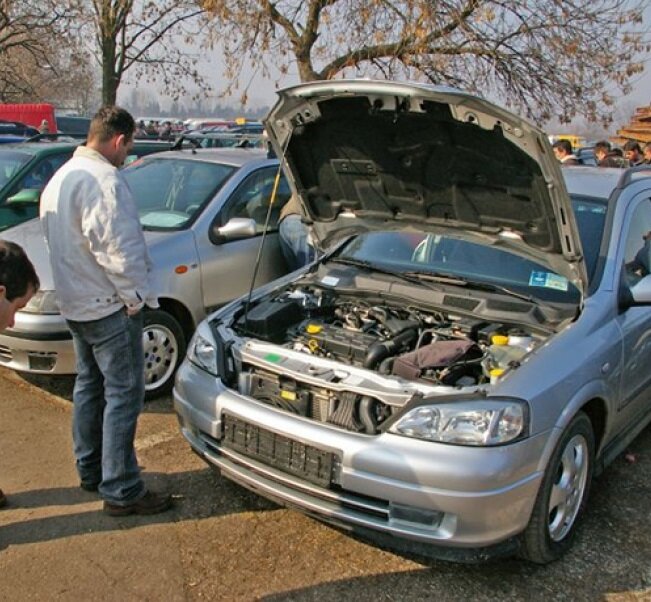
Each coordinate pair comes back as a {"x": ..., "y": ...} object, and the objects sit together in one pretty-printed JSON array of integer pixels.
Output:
[{"x": 548, "y": 280}]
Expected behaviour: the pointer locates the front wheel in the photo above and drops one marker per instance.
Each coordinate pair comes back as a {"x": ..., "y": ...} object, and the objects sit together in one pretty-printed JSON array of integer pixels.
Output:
[
  {"x": 563, "y": 494},
  {"x": 164, "y": 346}
]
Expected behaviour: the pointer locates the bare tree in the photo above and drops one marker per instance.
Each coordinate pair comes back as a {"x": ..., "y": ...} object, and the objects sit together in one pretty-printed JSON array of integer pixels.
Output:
[
  {"x": 65, "y": 79},
  {"x": 544, "y": 57},
  {"x": 145, "y": 40},
  {"x": 29, "y": 55}
]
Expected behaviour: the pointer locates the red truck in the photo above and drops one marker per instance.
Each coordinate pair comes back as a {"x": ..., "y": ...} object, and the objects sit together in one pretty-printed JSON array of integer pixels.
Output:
[{"x": 30, "y": 114}]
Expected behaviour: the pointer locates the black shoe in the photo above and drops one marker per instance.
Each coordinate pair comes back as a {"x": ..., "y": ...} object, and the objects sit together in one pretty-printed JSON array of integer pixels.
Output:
[
  {"x": 3, "y": 499},
  {"x": 150, "y": 503},
  {"x": 89, "y": 486}
]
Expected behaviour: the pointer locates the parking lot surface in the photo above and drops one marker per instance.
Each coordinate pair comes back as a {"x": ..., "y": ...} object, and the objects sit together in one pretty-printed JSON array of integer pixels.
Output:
[{"x": 221, "y": 542}]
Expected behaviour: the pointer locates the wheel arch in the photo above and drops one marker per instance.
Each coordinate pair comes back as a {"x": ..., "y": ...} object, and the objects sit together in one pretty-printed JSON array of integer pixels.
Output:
[
  {"x": 180, "y": 313},
  {"x": 597, "y": 412}
]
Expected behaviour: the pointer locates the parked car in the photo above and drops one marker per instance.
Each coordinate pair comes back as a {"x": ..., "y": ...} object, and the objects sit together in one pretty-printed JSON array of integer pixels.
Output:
[
  {"x": 249, "y": 127},
  {"x": 25, "y": 169},
  {"x": 203, "y": 214},
  {"x": 222, "y": 140},
  {"x": 586, "y": 156},
  {"x": 469, "y": 352},
  {"x": 15, "y": 129},
  {"x": 73, "y": 124}
]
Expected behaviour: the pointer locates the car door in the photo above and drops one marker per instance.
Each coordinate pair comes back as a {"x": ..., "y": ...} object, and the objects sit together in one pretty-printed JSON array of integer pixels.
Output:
[
  {"x": 227, "y": 266},
  {"x": 635, "y": 322}
]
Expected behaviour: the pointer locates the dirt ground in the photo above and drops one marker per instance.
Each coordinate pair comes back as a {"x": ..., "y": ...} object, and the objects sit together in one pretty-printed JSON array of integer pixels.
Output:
[{"x": 221, "y": 542}]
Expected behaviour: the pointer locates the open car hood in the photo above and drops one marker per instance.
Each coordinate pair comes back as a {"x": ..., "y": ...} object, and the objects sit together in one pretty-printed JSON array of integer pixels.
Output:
[{"x": 376, "y": 155}]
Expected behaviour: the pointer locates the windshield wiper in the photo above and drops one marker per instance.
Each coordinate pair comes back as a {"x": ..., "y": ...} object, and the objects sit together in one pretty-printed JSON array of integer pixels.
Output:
[
  {"x": 474, "y": 284},
  {"x": 368, "y": 265}
]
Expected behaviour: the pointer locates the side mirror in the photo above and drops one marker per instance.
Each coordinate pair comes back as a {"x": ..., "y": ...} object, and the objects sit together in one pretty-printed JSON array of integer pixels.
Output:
[
  {"x": 234, "y": 229},
  {"x": 641, "y": 291},
  {"x": 27, "y": 196}
]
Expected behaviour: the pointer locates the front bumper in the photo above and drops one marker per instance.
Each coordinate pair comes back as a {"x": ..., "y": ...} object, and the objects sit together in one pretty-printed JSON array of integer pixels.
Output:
[
  {"x": 397, "y": 487},
  {"x": 41, "y": 344}
]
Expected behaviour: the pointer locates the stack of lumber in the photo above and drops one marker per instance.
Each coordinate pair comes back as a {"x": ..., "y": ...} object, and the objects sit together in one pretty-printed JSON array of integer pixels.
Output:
[{"x": 639, "y": 128}]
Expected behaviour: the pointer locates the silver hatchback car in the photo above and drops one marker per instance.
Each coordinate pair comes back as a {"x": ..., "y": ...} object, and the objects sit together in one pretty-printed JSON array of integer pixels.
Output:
[
  {"x": 470, "y": 351},
  {"x": 203, "y": 213}
]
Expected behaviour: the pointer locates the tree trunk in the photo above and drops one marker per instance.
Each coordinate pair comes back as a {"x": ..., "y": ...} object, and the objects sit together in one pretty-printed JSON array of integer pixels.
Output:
[
  {"x": 110, "y": 82},
  {"x": 107, "y": 33}
]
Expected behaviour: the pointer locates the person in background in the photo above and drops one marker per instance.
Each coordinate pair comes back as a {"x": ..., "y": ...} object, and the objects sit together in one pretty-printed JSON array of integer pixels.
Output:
[
  {"x": 165, "y": 132},
  {"x": 44, "y": 128},
  {"x": 647, "y": 153},
  {"x": 141, "y": 131},
  {"x": 606, "y": 157},
  {"x": 563, "y": 151},
  {"x": 101, "y": 270},
  {"x": 633, "y": 153},
  {"x": 18, "y": 283},
  {"x": 294, "y": 236}
]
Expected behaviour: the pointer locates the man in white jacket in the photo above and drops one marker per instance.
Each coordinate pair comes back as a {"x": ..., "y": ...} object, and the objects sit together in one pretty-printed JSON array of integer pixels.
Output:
[{"x": 101, "y": 272}]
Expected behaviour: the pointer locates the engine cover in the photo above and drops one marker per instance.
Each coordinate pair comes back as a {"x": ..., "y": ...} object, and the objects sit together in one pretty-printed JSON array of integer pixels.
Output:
[{"x": 331, "y": 340}]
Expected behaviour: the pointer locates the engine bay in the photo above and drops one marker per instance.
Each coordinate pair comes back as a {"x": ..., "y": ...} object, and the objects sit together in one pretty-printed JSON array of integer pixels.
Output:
[{"x": 387, "y": 346}]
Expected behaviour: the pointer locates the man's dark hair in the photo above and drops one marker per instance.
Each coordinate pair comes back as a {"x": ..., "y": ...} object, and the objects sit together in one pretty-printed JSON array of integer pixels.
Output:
[
  {"x": 564, "y": 145},
  {"x": 17, "y": 274},
  {"x": 111, "y": 121},
  {"x": 602, "y": 145},
  {"x": 631, "y": 145}
]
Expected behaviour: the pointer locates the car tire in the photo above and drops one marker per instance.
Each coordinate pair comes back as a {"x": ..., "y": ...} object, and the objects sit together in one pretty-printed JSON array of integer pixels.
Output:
[
  {"x": 164, "y": 346},
  {"x": 563, "y": 494}
]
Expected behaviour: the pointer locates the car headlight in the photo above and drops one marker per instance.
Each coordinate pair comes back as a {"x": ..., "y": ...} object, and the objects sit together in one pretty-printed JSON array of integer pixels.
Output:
[
  {"x": 42, "y": 302},
  {"x": 479, "y": 423},
  {"x": 202, "y": 351}
]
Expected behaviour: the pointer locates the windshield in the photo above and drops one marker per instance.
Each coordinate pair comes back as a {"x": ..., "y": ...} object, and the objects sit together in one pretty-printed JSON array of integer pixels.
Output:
[
  {"x": 170, "y": 193},
  {"x": 447, "y": 255},
  {"x": 10, "y": 163}
]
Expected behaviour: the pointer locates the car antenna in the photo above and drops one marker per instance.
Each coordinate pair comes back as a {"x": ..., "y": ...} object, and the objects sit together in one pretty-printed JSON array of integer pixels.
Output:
[{"x": 272, "y": 199}]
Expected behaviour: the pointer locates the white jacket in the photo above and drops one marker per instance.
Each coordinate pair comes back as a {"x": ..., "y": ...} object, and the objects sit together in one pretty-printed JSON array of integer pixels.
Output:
[{"x": 97, "y": 249}]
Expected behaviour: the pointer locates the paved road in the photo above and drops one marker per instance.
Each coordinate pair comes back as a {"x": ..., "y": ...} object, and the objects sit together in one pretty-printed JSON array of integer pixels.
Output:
[{"x": 223, "y": 543}]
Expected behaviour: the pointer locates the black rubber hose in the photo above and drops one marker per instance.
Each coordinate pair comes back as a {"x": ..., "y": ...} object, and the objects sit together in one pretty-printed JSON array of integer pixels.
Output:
[
  {"x": 366, "y": 414},
  {"x": 384, "y": 349}
]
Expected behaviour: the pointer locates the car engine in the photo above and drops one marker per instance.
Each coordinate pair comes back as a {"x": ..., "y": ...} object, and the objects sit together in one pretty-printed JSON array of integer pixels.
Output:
[{"x": 425, "y": 348}]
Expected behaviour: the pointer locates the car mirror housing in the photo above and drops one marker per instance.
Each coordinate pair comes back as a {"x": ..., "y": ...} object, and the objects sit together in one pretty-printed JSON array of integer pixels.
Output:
[
  {"x": 27, "y": 196},
  {"x": 234, "y": 229},
  {"x": 641, "y": 291}
]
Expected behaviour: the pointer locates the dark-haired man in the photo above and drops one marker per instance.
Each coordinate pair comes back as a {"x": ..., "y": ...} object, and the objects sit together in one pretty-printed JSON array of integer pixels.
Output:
[
  {"x": 18, "y": 283},
  {"x": 606, "y": 157},
  {"x": 563, "y": 151},
  {"x": 101, "y": 272},
  {"x": 633, "y": 153}
]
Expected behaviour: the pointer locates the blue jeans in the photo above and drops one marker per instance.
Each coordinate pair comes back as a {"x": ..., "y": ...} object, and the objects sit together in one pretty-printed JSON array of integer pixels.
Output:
[
  {"x": 293, "y": 242},
  {"x": 108, "y": 397}
]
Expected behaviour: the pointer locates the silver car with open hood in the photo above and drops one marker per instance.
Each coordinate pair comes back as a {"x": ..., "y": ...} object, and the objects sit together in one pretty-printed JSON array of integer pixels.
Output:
[{"x": 468, "y": 350}]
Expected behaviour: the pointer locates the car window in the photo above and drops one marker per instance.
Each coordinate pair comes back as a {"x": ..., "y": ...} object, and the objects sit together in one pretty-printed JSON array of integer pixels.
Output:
[
  {"x": 471, "y": 260},
  {"x": 39, "y": 175},
  {"x": 251, "y": 199},
  {"x": 590, "y": 219},
  {"x": 170, "y": 193},
  {"x": 10, "y": 163},
  {"x": 637, "y": 252},
  {"x": 448, "y": 255}
]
